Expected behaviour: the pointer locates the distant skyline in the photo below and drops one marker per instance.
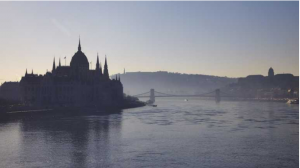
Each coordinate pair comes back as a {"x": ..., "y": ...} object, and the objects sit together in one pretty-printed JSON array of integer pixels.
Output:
[{"x": 232, "y": 39}]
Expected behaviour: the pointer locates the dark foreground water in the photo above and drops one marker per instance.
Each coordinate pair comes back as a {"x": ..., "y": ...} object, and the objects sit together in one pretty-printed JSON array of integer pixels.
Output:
[{"x": 197, "y": 133}]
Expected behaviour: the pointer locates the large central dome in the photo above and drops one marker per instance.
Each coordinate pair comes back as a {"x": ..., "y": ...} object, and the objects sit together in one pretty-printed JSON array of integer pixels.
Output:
[{"x": 79, "y": 59}]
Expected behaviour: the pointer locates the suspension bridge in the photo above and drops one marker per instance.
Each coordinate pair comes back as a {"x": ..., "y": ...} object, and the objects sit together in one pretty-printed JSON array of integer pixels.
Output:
[{"x": 217, "y": 94}]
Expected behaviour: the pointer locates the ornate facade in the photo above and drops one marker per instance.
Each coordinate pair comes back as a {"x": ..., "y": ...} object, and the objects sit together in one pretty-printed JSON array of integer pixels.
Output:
[{"x": 74, "y": 85}]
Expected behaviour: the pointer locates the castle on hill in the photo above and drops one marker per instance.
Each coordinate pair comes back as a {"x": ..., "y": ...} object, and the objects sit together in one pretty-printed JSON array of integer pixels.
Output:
[
  {"x": 74, "y": 85},
  {"x": 287, "y": 81},
  {"x": 271, "y": 86}
]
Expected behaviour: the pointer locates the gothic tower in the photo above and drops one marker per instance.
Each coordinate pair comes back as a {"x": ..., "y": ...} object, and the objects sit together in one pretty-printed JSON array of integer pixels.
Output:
[
  {"x": 106, "y": 75},
  {"x": 79, "y": 46},
  {"x": 97, "y": 64},
  {"x": 53, "y": 67},
  {"x": 100, "y": 69}
]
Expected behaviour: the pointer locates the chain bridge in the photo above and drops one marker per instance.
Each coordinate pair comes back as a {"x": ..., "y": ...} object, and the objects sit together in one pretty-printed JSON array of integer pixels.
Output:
[{"x": 217, "y": 94}]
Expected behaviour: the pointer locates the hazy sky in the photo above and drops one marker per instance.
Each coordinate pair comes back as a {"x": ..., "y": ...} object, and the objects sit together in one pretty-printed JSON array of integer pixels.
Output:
[{"x": 231, "y": 39}]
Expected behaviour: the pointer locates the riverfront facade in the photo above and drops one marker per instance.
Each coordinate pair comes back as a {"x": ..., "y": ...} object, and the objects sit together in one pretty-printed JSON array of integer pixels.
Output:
[{"x": 74, "y": 85}]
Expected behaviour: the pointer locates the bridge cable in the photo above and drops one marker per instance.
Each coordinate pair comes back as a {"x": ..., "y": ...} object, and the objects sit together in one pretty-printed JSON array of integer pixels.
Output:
[{"x": 141, "y": 94}]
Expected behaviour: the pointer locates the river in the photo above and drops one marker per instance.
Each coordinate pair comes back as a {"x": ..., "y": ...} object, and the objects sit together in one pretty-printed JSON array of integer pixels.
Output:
[{"x": 176, "y": 133}]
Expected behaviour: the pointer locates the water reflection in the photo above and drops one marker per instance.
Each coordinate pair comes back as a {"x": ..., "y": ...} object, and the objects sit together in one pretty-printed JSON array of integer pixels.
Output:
[
  {"x": 75, "y": 141},
  {"x": 176, "y": 133}
]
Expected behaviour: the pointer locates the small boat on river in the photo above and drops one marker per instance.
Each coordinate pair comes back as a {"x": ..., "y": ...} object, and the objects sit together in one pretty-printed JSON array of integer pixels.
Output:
[{"x": 293, "y": 101}]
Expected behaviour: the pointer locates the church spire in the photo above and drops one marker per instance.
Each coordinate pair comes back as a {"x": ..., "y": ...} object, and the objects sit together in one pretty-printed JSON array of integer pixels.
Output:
[
  {"x": 53, "y": 67},
  {"x": 79, "y": 46},
  {"x": 106, "y": 74},
  {"x": 59, "y": 62},
  {"x": 26, "y": 72},
  {"x": 32, "y": 71}
]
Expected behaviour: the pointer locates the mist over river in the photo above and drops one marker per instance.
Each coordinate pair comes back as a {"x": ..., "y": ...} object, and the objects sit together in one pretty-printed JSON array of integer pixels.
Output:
[{"x": 176, "y": 133}]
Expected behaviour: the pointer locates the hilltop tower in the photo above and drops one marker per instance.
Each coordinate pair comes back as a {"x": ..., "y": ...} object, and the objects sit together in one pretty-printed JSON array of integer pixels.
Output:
[{"x": 271, "y": 72}]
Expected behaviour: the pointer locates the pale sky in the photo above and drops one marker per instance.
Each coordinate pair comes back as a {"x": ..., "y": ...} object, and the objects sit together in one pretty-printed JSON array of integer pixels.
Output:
[{"x": 233, "y": 39}]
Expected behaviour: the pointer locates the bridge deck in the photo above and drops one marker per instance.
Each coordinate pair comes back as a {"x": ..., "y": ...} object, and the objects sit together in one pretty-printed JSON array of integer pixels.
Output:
[
  {"x": 215, "y": 93},
  {"x": 187, "y": 96}
]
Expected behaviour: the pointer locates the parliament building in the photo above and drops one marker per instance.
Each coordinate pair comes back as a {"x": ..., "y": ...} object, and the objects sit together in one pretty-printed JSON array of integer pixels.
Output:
[{"x": 74, "y": 85}]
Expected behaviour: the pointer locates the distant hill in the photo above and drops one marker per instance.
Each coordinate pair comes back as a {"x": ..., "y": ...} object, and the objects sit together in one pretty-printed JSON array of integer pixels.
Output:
[{"x": 172, "y": 83}]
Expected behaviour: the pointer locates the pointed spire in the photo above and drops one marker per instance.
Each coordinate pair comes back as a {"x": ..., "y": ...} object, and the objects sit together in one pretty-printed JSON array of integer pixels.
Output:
[
  {"x": 79, "y": 46},
  {"x": 32, "y": 71},
  {"x": 53, "y": 67},
  {"x": 26, "y": 72},
  {"x": 59, "y": 62},
  {"x": 100, "y": 69},
  {"x": 97, "y": 63},
  {"x": 106, "y": 74}
]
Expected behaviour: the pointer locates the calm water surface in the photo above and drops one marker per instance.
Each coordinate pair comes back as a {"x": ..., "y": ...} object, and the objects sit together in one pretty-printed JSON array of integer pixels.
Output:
[{"x": 197, "y": 133}]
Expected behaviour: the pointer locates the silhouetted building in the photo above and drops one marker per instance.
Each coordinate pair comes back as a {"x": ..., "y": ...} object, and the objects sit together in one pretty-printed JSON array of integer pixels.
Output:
[
  {"x": 269, "y": 86},
  {"x": 278, "y": 80},
  {"x": 271, "y": 72},
  {"x": 74, "y": 85},
  {"x": 10, "y": 91}
]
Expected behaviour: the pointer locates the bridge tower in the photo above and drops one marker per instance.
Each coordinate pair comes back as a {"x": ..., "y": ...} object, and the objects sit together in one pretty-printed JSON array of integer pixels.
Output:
[
  {"x": 218, "y": 96},
  {"x": 152, "y": 96}
]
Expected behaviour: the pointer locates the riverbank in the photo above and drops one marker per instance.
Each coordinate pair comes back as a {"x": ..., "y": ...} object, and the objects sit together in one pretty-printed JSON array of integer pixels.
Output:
[{"x": 22, "y": 109}]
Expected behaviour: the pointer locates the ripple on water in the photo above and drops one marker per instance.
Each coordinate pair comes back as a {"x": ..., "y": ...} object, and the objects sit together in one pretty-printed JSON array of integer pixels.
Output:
[{"x": 174, "y": 134}]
